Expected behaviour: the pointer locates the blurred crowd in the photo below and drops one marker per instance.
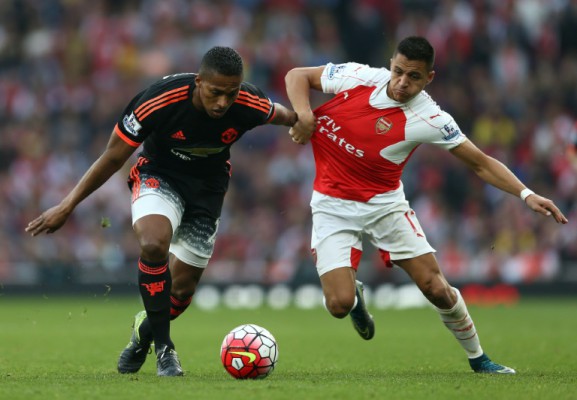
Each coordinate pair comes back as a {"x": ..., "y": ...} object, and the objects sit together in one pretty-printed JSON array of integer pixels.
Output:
[{"x": 506, "y": 70}]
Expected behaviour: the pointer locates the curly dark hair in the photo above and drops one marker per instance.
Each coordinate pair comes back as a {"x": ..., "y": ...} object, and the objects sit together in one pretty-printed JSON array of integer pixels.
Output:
[
  {"x": 221, "y": 60},
  {"x": 417, "y": 48}
]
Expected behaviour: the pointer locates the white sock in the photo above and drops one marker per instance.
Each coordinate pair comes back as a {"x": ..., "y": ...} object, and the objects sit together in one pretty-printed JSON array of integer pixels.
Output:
[{"x": 459, "y": 322}]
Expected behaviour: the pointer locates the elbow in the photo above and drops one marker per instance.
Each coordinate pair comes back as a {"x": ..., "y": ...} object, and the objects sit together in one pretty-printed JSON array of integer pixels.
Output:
[
  {"x": 295, "y": 75},
  {"x": 289, "y": 77},
  {"x": 477, "y": 168},
  {"x": 479, "y": 171}
]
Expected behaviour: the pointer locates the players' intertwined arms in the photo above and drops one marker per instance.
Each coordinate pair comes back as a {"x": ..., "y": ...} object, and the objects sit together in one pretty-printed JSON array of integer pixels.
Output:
[
  {"x": 497, "y": 174},
  {"x": 113, "y": 158},
  {"x": 299, "y": 82},
  {"x": 283, "y": 116}
]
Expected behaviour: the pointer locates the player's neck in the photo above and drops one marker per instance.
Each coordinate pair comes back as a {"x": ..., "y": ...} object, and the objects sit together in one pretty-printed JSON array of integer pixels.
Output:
[{"x": 196, "y": 99}]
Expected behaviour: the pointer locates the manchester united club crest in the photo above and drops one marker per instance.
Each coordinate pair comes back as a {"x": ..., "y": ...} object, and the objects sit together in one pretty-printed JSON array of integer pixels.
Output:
[
  {"x": 154, "y": 287},
  {"x": 152, "y": 183},
  {"x": 229, "y": 135},
  {"x": 383, "y": 125}
]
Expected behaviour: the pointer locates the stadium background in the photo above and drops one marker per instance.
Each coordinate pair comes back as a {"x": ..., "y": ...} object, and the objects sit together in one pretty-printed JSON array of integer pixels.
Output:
[{"x": 506, "y": 70}]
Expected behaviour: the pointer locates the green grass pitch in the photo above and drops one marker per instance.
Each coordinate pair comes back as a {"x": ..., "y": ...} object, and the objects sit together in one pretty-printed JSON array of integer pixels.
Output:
[{"x": 67, "y": 348}]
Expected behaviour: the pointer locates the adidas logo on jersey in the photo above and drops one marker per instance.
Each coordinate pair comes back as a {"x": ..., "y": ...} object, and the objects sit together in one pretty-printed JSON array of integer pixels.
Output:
[{"x": 178, "y": 135}]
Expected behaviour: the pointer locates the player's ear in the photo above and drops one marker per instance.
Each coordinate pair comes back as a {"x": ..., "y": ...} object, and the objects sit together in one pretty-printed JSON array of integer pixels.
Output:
[
  {"x": 197, "y": 80},
  {"x": 430, "y": 77}
]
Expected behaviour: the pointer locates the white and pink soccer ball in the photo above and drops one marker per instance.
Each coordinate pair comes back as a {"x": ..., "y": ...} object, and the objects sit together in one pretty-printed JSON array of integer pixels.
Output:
[{"x": 249, "y": 352}]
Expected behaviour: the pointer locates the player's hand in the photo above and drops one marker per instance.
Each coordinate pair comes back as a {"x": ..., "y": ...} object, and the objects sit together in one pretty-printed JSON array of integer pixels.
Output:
[
  {"x": 304, "y": 128},
  {"x": 546, "y": 207},
  {"x": 50, "y": 221}
]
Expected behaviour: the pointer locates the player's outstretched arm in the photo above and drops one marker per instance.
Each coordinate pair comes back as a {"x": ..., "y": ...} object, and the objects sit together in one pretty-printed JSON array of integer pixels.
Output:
[
  {"x": 545, "y": 206},
  {"x": 497, "y": 174},
  {"x": 299, "y": 82},
  {"x": 113, "y": 158},
  {"x": 283, "y": 116}
]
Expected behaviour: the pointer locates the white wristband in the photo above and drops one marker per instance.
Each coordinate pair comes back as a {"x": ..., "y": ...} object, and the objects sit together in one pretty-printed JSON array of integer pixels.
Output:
[{"x": 525, "y": 193}]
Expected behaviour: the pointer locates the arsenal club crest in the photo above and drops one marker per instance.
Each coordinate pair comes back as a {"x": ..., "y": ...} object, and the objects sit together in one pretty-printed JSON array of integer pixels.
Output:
[{"x": 383, "y": 125}]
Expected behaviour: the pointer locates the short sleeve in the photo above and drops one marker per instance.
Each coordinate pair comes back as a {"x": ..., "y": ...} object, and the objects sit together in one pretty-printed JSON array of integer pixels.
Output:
[
  {"x": 129, "y": 128},
  {"x": 337, "y": 78},
  {"x": 447, "y": 134}
]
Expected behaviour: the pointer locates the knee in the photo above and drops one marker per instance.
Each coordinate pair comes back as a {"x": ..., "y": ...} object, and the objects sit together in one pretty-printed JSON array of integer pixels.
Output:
[
  {"x": 440, "y": 294},
  {"x": 339, "y": 306},
  {"x": 182, "y": 290},
  {"x": 154, "y": 249}
]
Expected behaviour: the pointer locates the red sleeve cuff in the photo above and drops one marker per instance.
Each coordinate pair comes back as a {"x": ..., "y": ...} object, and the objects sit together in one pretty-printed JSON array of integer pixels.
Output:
[{"x": 126, "y": 139}]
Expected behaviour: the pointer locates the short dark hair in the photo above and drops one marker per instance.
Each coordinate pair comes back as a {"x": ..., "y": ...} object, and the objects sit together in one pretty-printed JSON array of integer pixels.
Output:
[
  {"x": 417, "y": 48},
  {"x": 221, "y": 60}
]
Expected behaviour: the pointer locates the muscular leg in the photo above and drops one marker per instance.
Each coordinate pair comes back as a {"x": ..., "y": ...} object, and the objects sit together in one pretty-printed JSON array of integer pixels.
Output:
[
  {"x": 425, "y": 272},
  {"x": 339, "y": 291},
  {"x": 343, "y": 296},
  {"x": 185, "y": 278},
  {"x": 154, "y": 233}
]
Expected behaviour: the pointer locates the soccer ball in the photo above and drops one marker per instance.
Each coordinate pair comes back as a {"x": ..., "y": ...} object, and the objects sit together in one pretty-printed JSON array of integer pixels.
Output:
[{"x": 249, "y": 352}]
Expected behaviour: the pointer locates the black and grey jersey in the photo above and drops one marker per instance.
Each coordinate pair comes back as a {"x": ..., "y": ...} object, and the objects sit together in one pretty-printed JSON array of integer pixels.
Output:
[{"x": 178, "y": 137}]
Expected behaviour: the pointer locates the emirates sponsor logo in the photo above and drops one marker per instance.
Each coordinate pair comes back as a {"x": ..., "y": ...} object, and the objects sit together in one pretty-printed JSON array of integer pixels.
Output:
[{"x": 328, "y": 127}]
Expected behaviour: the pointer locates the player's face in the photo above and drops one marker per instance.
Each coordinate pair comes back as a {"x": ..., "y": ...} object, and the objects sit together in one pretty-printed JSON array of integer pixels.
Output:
[
  {"x": 215, "y": 93},
  {"x": 408, "y": 78}
]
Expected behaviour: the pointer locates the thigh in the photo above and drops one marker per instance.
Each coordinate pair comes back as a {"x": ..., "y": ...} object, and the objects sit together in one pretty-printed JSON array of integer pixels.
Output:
[
  {"x": 193, "y": 241},
  {"x": 158, "y": 199},
  {"x": 154, "y": 221},
  {"x": 340, "y": 249},
  {"x": 422, "y": 269},
  {"x": 154, "y": 230},
  {"x": 338, "y": 283},
  {"x": 336, "y": 242},
  {"x": 399, "y": 235}
]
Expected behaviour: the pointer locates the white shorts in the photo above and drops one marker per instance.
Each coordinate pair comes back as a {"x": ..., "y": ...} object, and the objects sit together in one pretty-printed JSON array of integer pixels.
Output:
[
  {"x": 192, "y": 239},
  {"x": 388, "y": 221}
]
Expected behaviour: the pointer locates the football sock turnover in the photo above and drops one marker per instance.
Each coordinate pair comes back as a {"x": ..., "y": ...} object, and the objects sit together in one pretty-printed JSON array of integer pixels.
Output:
[
  {"x": 154, "y": 283},
  {"x": 461, "y": 325}
]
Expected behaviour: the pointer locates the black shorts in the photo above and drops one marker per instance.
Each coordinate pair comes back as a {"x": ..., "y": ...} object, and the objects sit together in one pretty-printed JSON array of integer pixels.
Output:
[{"x": 201, "y": 194}]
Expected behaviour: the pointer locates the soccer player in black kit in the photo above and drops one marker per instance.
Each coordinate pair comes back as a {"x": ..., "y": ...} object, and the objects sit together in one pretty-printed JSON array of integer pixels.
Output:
[{"x": 186, "y": 124}]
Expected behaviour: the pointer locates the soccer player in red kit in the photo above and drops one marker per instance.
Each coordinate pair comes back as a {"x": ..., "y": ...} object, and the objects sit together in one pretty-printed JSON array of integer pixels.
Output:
[
  {"x": 186, "y": 124},
  {"x": 362, "y": 139}
]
